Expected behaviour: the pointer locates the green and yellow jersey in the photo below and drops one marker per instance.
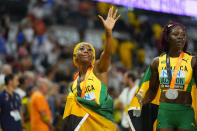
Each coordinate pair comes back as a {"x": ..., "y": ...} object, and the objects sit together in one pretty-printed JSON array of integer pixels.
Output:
[
  {"x": 184, "y": 79},
  {"x": 95, "y": 89},
  {"x": 94, "y": 111}
]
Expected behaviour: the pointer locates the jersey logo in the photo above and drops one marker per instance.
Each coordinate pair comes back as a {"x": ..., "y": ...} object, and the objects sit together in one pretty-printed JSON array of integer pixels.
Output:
[{"x": 185, "y": 60}]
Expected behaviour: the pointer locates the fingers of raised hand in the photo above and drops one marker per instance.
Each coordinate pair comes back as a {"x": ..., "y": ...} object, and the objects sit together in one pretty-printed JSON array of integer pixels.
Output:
[
  {"x": 117, "y": 18},
  {"x": 101, "y": 18},
  {"x": 110, "y": 12},
  {"x": 113, "y": 14}
]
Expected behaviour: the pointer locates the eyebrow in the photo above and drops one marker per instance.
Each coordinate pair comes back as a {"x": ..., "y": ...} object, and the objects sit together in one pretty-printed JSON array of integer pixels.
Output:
[{"x": 87, "y": 45}]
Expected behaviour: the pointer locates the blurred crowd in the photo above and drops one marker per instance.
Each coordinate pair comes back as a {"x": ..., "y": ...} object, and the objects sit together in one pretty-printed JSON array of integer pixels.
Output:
[{"x": 41, "y": 62}]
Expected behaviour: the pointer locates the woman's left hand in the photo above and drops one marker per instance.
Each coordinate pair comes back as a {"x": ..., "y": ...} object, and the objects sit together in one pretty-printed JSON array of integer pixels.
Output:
[{"x": 110, "y": 20}]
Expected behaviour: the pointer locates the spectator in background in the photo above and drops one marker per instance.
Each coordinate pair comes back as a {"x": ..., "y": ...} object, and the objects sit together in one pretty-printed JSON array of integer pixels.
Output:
[
  {"x": 20, "y": 90},
  {"x": 41, "y": 119},
  {"x": 39, "y": 27},
  {"x": 3, "y": 50},
  {"x": 10, "y": 106},
  {"x": 26, "y": 63},
  {"x": 53, "y": 101},
  {"x": 126, "y": 50},
  {"x": 25, "y": 34},
  {"x": 37, "y": 10},
  {"x": 125, "y": 98},
  {"x": 28, "y": 30},
  {"x": 30, "y": 78},
  {"x": 115, "y": 78},
  {"x": 26, "y": 107},
  {"x": 5, "y": 23},
  {"x": 6, "y": 70},
  {"x": 84, "y": 9},
  {"x": 20, "y": 36},
  {"x": 63, "y": 12}
]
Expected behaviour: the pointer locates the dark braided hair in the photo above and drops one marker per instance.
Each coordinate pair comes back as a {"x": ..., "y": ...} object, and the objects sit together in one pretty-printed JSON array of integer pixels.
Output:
[{"x": 164, "y": 44}]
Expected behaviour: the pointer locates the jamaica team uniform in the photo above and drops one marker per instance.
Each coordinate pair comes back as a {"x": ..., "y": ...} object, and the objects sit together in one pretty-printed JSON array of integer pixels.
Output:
[
  {"x": 176, "y": 115},
  {"x": 94, "y": 111},
  {"x": 95, "y": 89}
]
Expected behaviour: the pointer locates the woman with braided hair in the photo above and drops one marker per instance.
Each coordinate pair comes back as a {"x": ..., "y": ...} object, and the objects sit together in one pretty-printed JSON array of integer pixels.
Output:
[
  {"x": 88, "y": 106},
  {"x": 174, "y": 75}
]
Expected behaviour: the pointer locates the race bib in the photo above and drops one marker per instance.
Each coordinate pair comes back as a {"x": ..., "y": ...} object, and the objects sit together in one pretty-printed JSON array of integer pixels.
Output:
[
  {"x": 179, "y": 83},
  {"x": 16, "y": 115},
  {"x": 90, "y": 96}
]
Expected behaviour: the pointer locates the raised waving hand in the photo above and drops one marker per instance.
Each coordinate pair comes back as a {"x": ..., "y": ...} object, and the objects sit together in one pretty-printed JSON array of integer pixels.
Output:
[{"x": 111, "y": 19}]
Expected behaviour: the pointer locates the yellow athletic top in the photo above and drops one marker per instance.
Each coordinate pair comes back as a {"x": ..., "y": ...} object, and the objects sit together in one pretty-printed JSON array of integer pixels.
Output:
[
  {"x": 95, "y": 89},
  {"x": 184, "y": 79}
]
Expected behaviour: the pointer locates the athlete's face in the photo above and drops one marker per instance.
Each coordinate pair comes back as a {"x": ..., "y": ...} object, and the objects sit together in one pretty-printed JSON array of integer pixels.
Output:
[
  {"x": 84, "y": 54},
  {"x": 177, "y": 38}
]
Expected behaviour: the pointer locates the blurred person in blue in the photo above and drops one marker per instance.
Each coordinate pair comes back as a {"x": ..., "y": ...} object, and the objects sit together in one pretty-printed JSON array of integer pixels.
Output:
[
  {"x": 3, "y": 50},
  {"x": 10, "y": 106}
]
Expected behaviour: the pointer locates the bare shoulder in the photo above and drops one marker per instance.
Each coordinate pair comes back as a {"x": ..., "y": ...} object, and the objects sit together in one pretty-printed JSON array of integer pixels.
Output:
[
  {"x": 155, "y": 63},
  {"x": 194, "y": 61},
  {"x": 101, "y": 76},
  {"x": 96, "y": 69}
]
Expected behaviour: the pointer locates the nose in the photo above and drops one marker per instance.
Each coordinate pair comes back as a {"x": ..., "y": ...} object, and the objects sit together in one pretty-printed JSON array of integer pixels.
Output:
[
  {"x": 181, "y": 37},
  {"x": 85, "y": 50}
]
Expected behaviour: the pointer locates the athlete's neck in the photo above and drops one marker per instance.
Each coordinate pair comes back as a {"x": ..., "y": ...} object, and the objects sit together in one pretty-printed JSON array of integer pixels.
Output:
[
  {"x": 173, "y": 53},
  {"x": 83, "y": 70}
]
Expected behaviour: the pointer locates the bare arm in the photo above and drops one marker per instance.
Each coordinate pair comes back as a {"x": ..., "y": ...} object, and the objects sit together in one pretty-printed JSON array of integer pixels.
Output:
[
  {"x": 154, "y": 82},
  {"x": 22, "y": 118},
  {"x": 46, "y": 119},
  {"x": 118, "y": 105},
  {"x": 103, "y": 63},
  {"x": 194, "y": 67}
]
